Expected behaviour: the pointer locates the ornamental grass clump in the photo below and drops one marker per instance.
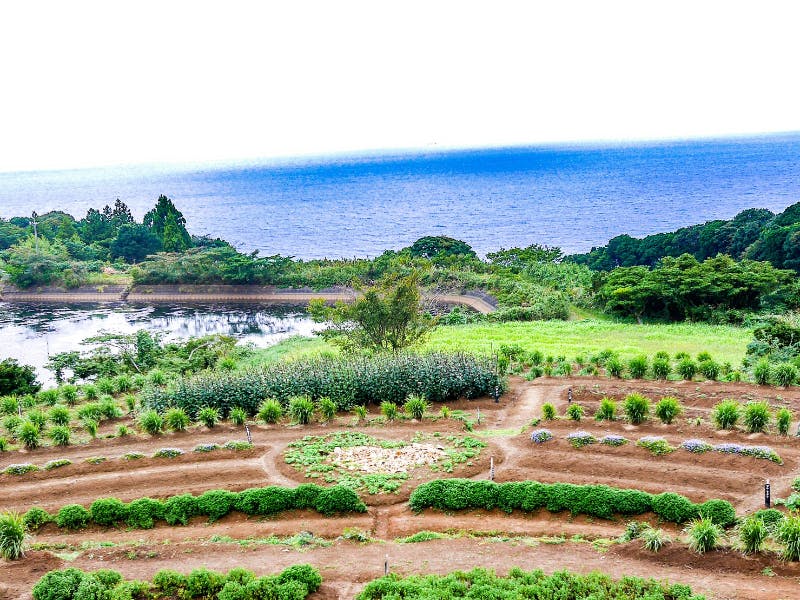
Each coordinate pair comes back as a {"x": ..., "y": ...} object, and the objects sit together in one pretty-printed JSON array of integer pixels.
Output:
[
  {"x": 704, "y": 535},
  {"x": 28, "y": 434},
  {"x": 661, "y": 368},
  {"x": 655, "y": 445},
  {"x": 208, "y": 416},
  {"x": 59, "y": 415},
  {"x": 785, "y": 374},
  {"x": 548, "y": 411},
  {"x": 613, "y": 440},
  {"x": 60, "y": 435},
  {"x": 614, "y": 367},
  {"x": 237, "y": 416},
  {"x": 696, "y": 446},
  {"x": 579, "y": 439},
  {"x": 301, "y": 409},
  {"x": 12, "y": 535},
  {"x": 668, "y": 409},
  {"x": 654, "y": 539},
  {"x": 151, "y": 422},
  {"x": 752, "y": 533},
  {"x": 539, "y": 436},
  {"x": 389, "y": 410},
  {"x": 637, "y": 408},
  {"x": 176, "y": 419},
  {"x": 726, "y": 414},
  {"x": 415, "y": 407},
  {"x": 575, "y": 412},
  {"x": 327, "y": 409},
  {"x": 756, "y": 417},
  {"x": 787, "y": 533},
  {"x": 783, "y": 420},
  {"x": 709, "y": 369},
  {"x": 607, "y": 410},
  {"x": 762, "y": 372},
  {"x": 270, "y": 411},
  {"x": 637, "y": 366},
  {"x": 687, "y": 369}
]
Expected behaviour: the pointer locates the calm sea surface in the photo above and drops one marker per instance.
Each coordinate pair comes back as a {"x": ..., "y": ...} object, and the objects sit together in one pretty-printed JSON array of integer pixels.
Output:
[{"x": 573, "y": 197}]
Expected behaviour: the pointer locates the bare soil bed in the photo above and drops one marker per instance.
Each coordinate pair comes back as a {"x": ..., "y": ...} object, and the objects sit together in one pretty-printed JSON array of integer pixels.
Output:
[{"x": 540, "y": 540}]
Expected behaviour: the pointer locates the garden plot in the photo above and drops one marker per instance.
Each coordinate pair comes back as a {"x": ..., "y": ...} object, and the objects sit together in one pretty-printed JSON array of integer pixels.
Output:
[{"x": 374, "y": 459}]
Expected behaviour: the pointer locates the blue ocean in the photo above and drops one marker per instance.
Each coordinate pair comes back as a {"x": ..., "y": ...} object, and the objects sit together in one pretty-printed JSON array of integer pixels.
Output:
[{"x": 574, "y": 197}]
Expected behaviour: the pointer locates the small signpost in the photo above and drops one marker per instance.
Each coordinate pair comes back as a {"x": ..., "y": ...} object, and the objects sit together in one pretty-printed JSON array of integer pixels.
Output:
[
  {"x": 767, "y": 495},
  {"x": 247, "y": 431},
  {"x": 386, "y": 566},
  {"x": 497, "y": 394},
  {"x": 491, "y": 469},
  {"x": 569, "y": 396}
]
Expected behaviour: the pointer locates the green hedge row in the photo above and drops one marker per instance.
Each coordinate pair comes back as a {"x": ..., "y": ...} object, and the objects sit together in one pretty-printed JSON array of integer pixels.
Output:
[
  {"x": 482, "y": 583},
  {"x": 347, "y": 380},
  {"x": 593, "y": 500},
  {"x": 143, "y": 513},
  {"x": 294, "y": 583}
]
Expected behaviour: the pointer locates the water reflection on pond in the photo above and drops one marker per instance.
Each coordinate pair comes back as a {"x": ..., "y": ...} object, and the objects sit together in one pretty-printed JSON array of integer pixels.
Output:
[{"x": 31, "y": 332}]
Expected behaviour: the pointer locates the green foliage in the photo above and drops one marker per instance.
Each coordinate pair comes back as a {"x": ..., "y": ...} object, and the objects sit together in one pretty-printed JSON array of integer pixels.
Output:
[
  {"x": 348, "y": 381},
  {"x": 415, "y": 407},
  {"x": 667, "y": 409},
  {"x": 327, "y": 409},
  {"x": 783, "y": 420},
  {"x": 301, "y": 409},
  {"x": 17, "y": 379},
  {"x": 60, "y": 435},
  {"x": 654, "y": 539},
  {"x": 703, "y": 535},
  {"x": 687, "y": 369},
  {"x": 637, "y": 408},
  {"x": 673, "y": 508},
  {"x": 91, "y": 427},
  {"x": 752, "y": 534},
  {"x": 179, "y": 509},
  {"x": 657, "y": 446},
  {"x": 785, "y": 374},
  {"x": 58, "y": 585},
  {"x": 144, "y": 512},
  {"x": 237, "y": 416},
  {"x": 637, "y": 366},
  {"x": 108, "y": 511},
  {"x": 575, "y": 412},
  {"x": 176, "y": 419},
  {"x": 389, "y": 410},
  {"x": 607, "y": 410},
  {"x": 208, "y": 416},
  {"x": 73, "y": 517},
  {"x": 614, "y": 367},
  {"x": 787, "y": 533},
  {"x": 35, "y": 518},
  {"x": 762, "y": 372},
  {"x": 661, "y": 368},
  {"x": 151, "y": 422},
  {"x": 709, "y": 369},
  {"x": 59, "y": 415},
  {"x": 720, "y": 512},
  {"x": 69, "y": 393},
  {"x": 726, "y": 414},
  {"x": 216, "y": 504},
  {"x": 548, "y": 411},
  {"x": 270, "y": 411},
  {"x": 756, "y": 416},
  {"x": 12, "y": 535},
  {"x": 28, "y": 434}
]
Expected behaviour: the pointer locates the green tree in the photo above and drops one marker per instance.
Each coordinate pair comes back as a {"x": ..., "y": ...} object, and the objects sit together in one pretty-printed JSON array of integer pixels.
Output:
[
  {"x": 17, "y": 379},
  {"x": 384, "y": 317},
  {"x": 440, "y": 246},
  {"x": 519, "y": 258},
  {"x": 168, "y": 224},
  {"x": 134, "y": 243}
]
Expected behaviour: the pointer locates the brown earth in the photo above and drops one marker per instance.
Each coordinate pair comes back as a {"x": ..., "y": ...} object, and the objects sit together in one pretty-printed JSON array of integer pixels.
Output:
[{"x": 510, "y": 540}]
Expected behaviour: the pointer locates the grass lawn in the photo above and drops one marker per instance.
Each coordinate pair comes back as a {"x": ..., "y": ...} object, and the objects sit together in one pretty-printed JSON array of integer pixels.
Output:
[{"x": 570, "y": 338}]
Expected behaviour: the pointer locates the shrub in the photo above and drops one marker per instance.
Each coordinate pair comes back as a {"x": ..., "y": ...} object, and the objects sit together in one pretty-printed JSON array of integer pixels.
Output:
[
  {"x": 667, "y": 409},
  {"x": 661, "y": 368},
  {"x": 48, "y": 397},
  {"x": 687, "y": 369},
  {"x": 12, "y": 535},
  {"x": 69, "y": 393},
  {"x": 614, "y": 367},
  {"x": 202, "y": 583},
  {"x": 151, "y": 422},
  {"x": 28, "y": 434},
  {"x": 237, "y": 416},
  {"x": 122, "y": 384},
  {"x": 176, "y": 419},
  {"x": 338, "y": 499},
  {"x": 783, "y": 420},
  {"x": 73, "y": 517},
  {"x": 607, "y": 410},
  {"x": 564, "y": 369},
  {"x": 673, "y": 507},
  {"x": 270, "y": 411},
  {"x": 762, "y": 372},
  {"x": 215, "y": 504},
  {"x": 38, "y": 418},
  {"x": 157, "y": 377},
  {"x": 752, "y": 534},
  {"x": 756, "y": 416},
  {"x": 208, "y": 416},
  {"x": 637, "y": 366},
  {"x": 785, "y": 374},
  {"x": 179, "y": 509},
  {"x": 389, "y": 410},
  {"x": 59, "y": 415},
  {"x": 361, "y": 412},
  {"x": 654, "y": 539},
  {"x": 703, "y": 535},
  {"x": 327, "y": 409},
  {"x": 637, "y": 408},
  {"x": 416, "y": 407},
  {"x": 548, "y": 411},
  {"x": 60, "y": 435},
  {"x": 108, "y": 511},
  {"x": 788, "y": 533},
  {"x": 304, "y": 574},
  {"x": 709, "y": 369},
  {"x": 720, "y": 512},
  {"x": 58, "y": 585},
  {"x": 726, "y": 414},
  {"x": 301, "y": 408},
  {"x": 35, "y": 518},
  {"x": 575, "y": 412},
  {"x": 143, "y": 513}
]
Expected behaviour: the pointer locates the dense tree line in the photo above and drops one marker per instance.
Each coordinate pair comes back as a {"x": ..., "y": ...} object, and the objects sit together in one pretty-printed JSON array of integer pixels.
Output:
[{"x": 756, "y": 234}]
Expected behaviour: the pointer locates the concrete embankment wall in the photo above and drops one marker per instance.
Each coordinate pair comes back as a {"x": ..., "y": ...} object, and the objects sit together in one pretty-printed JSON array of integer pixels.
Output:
[{"x": 188, "y": 294}]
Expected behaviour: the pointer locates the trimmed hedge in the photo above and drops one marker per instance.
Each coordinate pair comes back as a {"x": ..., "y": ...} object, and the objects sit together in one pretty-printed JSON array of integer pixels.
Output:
[
  {"x": 483, "y": 583},
  {"x": 594, "y": 500},
  {"x": 143, "y": 513},
  {"x": 347, "y": 380},
  {"x": 294, "y": 583}
]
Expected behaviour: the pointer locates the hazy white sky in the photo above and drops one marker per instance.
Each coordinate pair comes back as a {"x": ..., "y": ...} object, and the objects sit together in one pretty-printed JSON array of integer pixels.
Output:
[{"x": 95, "y": 83}]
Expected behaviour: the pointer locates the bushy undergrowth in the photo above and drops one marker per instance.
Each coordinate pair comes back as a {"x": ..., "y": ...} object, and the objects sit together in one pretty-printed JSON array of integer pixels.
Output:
[
  {"x": 293, "y": 583},
  {"x": 594, "y": 500},
  {"x": 346, "y": 380},
  {"x": 144, "y": 513},
  {"x": 482, "y": 583}
]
